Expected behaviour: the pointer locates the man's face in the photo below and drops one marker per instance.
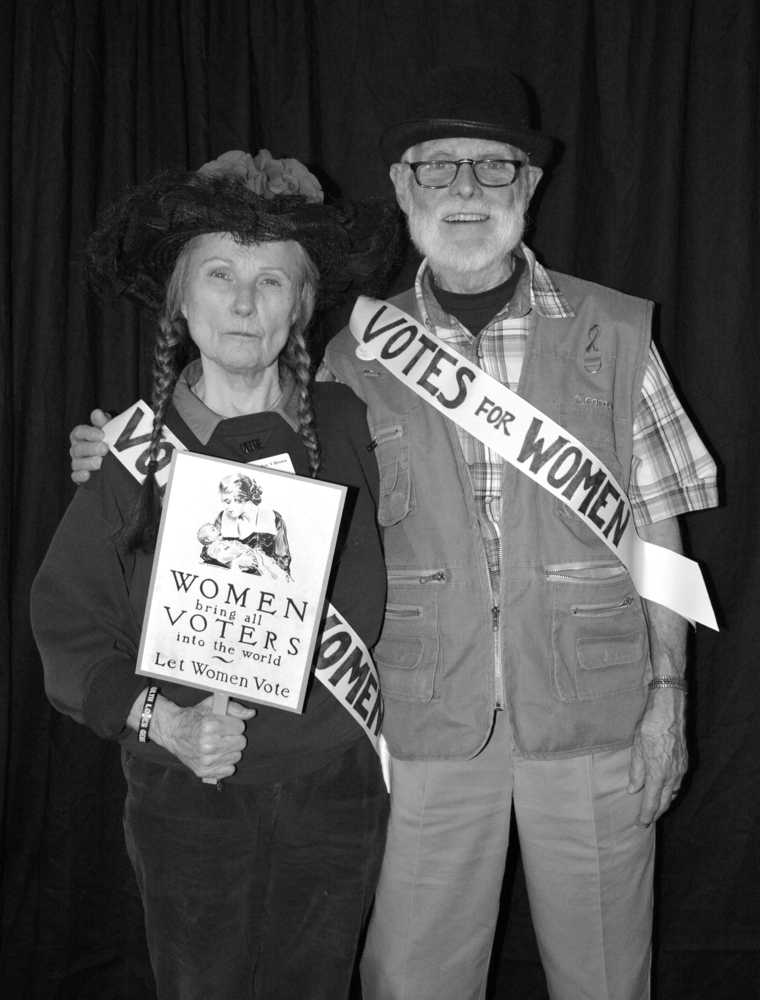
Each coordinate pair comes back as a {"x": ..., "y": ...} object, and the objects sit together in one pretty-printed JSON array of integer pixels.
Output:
[{"x": 466, "y": 230}]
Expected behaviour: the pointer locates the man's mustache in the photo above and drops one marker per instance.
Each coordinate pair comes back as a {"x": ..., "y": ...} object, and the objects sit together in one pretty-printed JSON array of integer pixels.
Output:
[
  {"x": 499, "y": 213},
  {"x": 469, "y": 209}
]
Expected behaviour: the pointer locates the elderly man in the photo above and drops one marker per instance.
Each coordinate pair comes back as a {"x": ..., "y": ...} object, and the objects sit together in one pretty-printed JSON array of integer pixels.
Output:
[
  {"x": 520, "y": 669},
  {"x": 518, "y": 665}
]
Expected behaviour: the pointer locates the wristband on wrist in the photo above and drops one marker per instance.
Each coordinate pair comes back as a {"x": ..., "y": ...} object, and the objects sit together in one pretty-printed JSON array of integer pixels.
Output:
[
  {"x": 668, "y": 682},
  {"x": 147, "y": 714}
]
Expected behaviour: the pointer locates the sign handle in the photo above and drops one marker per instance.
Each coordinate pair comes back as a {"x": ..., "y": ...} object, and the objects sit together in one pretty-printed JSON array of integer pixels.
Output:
[{"x": 221, "y": 700}]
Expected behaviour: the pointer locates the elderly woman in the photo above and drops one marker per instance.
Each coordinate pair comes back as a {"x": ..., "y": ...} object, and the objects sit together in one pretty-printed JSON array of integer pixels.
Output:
[{"x": 260, "y": 890}]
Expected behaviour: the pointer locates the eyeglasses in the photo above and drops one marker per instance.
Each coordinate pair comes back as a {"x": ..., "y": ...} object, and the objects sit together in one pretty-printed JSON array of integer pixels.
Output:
[{"x": 489, "y": 173}]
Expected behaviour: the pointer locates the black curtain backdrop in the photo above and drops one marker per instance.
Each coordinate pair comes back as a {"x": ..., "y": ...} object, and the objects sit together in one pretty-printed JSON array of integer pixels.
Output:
[{"x": 656, "y": 193}]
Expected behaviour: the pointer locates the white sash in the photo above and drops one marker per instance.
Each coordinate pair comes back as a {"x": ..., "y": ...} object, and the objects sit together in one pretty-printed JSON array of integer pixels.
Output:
[
  {"x": 343, "y": 663},
  {"x": 531, "y": 442}
]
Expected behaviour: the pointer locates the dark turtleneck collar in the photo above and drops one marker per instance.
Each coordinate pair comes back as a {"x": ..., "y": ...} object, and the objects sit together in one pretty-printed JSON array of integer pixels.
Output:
[{"x": 475, "y": 310}]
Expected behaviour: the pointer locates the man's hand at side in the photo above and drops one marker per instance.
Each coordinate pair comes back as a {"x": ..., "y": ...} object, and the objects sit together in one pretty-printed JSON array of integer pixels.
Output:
[
  {"x": 88, "y": 447},
  {"x": 659, "y": 757}
]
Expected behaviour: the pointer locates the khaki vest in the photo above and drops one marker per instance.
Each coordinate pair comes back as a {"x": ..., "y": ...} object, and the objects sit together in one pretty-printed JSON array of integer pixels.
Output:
[{"x": 567, "y": 646}]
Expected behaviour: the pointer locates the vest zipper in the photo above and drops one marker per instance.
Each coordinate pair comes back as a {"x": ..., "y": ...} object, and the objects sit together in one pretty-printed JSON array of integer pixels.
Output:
[
  {"x": 498, "y": 677},
  {"x": 599, "y": 610},
  {"x": 585, "y": 574}
]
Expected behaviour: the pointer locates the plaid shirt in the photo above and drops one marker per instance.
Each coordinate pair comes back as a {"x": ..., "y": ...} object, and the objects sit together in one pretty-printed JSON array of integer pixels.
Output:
[{"x": 671, "y": 471}]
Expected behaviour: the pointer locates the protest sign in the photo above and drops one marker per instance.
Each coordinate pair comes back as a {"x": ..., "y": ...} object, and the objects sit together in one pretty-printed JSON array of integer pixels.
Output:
[{"x": 239, "y": 579}]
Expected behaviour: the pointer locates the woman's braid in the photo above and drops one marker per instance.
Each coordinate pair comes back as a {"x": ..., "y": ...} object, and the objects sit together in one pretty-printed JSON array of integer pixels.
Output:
[
  {"x": 296, "y": 358},
  {"x": 142, "y": 529}
]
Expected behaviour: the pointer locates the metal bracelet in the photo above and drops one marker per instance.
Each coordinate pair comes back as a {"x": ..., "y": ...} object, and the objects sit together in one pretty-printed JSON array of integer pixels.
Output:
[{"x": 668, "y": 682}]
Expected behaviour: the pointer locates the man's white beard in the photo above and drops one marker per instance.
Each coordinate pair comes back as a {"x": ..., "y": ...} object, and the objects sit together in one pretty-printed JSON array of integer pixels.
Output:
[{"x": 428, "y": 234}]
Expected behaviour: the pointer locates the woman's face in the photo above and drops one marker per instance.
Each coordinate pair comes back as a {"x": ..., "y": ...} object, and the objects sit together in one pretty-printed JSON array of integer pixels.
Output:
[
  {"x": 233, "y": 504},
  {"x": 240, "y": 301}
]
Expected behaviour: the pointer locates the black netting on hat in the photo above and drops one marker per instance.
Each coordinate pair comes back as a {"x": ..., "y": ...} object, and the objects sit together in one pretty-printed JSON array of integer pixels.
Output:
[{"x": 138, "y": 239}]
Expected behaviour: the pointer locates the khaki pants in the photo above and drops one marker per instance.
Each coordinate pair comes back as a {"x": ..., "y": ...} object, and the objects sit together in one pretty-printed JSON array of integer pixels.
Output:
[{"x": 588, "y": 869}]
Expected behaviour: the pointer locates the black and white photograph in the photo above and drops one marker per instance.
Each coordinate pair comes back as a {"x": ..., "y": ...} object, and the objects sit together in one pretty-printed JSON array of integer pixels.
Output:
[{"x": 379, "y": 545}]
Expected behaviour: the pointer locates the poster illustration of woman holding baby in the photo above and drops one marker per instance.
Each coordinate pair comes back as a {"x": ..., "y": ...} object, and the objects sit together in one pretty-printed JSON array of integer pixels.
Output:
[{"x": 246, "y": 535}]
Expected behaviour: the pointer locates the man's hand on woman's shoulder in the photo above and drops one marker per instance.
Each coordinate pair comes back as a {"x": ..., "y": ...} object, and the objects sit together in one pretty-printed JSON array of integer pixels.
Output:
[{"x": 88, "y": 447}]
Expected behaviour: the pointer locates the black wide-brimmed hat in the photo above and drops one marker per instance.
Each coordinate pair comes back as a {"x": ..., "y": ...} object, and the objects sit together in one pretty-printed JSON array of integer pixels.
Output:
[
  {"x": 137, "y": 242},
  {"x": 473, "y": 102}
]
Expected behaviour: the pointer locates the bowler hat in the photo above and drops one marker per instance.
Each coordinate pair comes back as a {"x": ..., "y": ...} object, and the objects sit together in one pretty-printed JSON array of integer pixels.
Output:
[{"x": 452, "y": 102}]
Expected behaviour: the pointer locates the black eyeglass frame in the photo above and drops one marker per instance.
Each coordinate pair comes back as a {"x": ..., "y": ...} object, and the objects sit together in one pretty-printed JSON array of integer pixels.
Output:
[{"x": 416, "y": 164}]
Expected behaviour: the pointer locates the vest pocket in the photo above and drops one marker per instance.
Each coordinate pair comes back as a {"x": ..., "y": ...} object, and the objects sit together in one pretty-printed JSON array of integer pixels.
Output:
[
  {"x": 600, "y": 642},
  {"x": 392, "y": 453},
  {"x": 407, "y": 652},
  {"x": 591, "y": 420}
]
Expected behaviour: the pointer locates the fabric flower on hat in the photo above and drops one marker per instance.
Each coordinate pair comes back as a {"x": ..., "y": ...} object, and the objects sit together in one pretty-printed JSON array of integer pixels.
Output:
[{"x": 265, "y": 175}]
